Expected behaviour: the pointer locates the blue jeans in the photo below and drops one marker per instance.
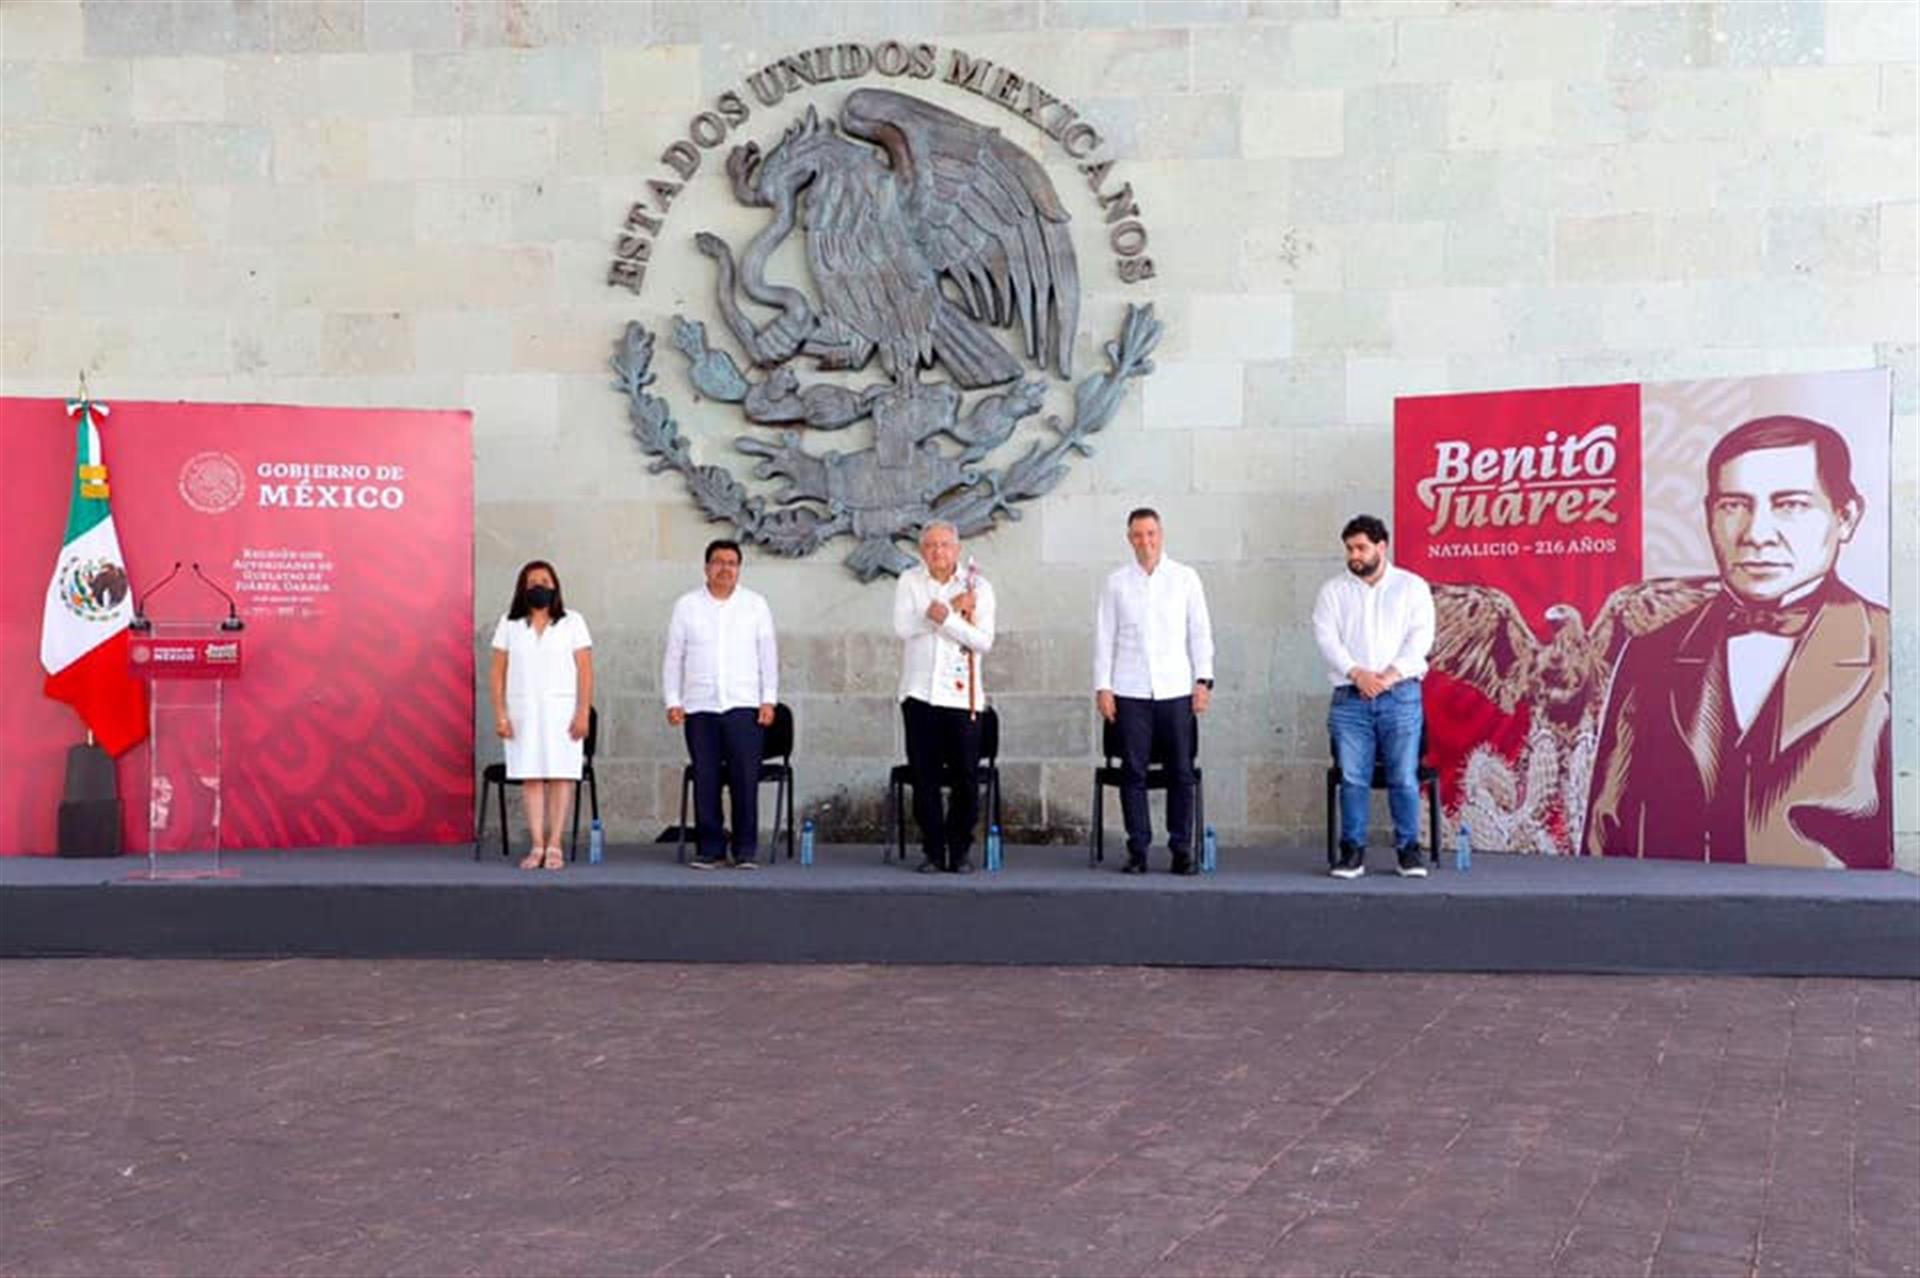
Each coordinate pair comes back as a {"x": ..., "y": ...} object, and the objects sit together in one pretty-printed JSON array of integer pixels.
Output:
[{"x": 1387, "y": 727}]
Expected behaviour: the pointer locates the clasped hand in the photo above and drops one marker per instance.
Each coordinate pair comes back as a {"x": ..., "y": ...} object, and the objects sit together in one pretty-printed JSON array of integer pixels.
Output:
[
  {"x": 962, "y": 604},
  {"x": 1371, "y": 683}
]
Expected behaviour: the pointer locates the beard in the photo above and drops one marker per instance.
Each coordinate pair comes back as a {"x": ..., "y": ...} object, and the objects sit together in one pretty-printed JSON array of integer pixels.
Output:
[{"x": 1365, "y": 567}]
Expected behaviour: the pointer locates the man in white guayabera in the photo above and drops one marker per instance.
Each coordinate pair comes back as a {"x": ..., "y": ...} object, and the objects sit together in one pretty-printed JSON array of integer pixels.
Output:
[
  {"x": 721, "y": 679},
  {"x": 1373, "y": 625},
  {"x": 943, "y": 614},
  {"x": 1152, "y": 673}
]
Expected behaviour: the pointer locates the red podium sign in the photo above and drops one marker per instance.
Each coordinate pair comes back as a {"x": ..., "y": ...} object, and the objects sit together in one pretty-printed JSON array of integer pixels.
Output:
[{"x": 215, "y": 657}]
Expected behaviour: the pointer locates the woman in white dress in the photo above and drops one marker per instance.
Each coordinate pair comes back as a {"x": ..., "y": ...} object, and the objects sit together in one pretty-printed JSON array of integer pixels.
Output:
[{"x": 542, "y": 680}]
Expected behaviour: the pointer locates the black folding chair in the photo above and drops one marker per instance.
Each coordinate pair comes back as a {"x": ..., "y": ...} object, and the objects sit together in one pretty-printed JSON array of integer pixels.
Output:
[
  {"x": 1426, "y": 778},
  {"x": 776, "y": 765},
  {"x": 900, "y": 780},
  {"x": 494, "y": 780},
  {"x": 1111, "y": 774}
]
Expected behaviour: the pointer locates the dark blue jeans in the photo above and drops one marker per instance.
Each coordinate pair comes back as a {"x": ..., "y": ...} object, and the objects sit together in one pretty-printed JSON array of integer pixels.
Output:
[
  {"x": 725, "y": 748},
  {"x": 1387, "y": 727},
  {"x": 1151, "y": 730}
]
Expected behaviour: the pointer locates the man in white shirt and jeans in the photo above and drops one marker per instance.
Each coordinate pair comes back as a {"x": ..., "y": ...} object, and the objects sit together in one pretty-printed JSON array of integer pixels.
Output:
[
  {"x": 720, "y": 680},
  {"x": 944, "y": 616},
  {"x": 1374, "y": 628},
  {"x": 1152, "y": 673}
]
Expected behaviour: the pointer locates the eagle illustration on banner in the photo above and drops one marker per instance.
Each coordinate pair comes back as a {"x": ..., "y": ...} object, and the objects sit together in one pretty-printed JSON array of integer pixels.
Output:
[{"x": 1482, "y": 639}]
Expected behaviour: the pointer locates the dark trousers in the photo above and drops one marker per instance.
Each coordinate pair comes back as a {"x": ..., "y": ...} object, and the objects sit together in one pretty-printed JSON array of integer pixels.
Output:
[
  {"x": 943, "y": 750},
  {"x": 1152, "y": 730},
  {"x": 725, "y": 748}
]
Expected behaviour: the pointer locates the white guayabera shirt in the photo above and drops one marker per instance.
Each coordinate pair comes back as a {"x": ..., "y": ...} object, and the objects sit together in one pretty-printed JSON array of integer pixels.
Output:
[
  {"x": 933, "y": 659},
  {"x": 1152, "y": 635},
  {"x": 1388, "y": 624},
  {"x": 721, "y": 653}
]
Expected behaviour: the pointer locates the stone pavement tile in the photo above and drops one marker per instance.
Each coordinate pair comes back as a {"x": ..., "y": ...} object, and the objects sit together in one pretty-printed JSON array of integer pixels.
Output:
[
  {"x": 1671, "y": 1262},
  {"x": 1500, "y": 1256},
  {"x": 1706, "y": 1238},
  {"x": 1794, "y": 1253},
  {"x": 1206, "y": 1260},
  {"x": 1596, "y": 1252}
]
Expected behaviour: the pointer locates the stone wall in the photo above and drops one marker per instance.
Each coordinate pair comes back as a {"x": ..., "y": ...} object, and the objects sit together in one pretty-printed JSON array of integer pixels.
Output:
[{"x": 412, "y": 204}]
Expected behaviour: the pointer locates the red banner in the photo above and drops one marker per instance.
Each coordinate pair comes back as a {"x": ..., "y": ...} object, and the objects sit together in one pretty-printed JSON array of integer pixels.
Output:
[
  {"x": 1661, "y": 622},
  {"x": 1523, "y": 510},
  {"x": 345, "y": 537}
]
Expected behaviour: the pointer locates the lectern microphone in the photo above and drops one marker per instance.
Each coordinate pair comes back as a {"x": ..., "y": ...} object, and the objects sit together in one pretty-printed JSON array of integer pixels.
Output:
[{"x": 232, "y": 621}]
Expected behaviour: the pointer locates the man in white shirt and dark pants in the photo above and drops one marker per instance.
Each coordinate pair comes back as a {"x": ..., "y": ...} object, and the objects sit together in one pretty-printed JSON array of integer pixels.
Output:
[
  {"x": 1152, "y": 673},
  {"x": 1374, "y": 628},
  {"x": 944, "y": 616},
  {"x": 720, "y": 680}
]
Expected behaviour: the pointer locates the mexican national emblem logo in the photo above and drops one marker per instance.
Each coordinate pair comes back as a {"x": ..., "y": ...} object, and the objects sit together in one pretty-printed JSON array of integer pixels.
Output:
[
  {"x": 943, "y": 306},
  {"x": 211, "y": 483},
  {"x": 93, "y": 589}
]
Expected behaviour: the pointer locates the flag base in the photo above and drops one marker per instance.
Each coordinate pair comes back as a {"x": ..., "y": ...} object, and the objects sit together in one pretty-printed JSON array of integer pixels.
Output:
[{"x": 90, "y": 811}]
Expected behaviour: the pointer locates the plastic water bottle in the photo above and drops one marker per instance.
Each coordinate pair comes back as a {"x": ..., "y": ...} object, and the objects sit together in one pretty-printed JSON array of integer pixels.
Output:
[
  {"x": 1462, "y": 850},
  {"x": 806, "y": 841},
  {"x": 1209, "y": 852},
  {"x": 993, "y": 848},
  {"x": 596, "y": 843}
]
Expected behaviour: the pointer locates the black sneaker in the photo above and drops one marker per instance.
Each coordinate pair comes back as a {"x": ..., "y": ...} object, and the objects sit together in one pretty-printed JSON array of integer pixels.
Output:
[
  {"x": 708, "y": 863},
  {"x": 1352, "y": 863},
  {"x": 1136, "y": 864},
  {"x": 963, "y": 866},
  {"x": 1183, "y": 864},
  {"x": 1412, "y": 864},
  {"x": 929, "y": 866},
  {"x": 746, "y": 863}
]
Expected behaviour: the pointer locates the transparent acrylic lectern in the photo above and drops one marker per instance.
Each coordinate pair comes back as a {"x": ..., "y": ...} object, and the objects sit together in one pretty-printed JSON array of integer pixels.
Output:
[{"x": 187, "y": 666}]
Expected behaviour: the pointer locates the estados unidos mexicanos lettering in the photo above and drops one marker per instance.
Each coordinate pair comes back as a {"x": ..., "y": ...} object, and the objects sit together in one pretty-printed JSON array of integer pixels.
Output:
[
  {"x": 1003, "y": 87},
  {"x": 1568, "y": 480}
]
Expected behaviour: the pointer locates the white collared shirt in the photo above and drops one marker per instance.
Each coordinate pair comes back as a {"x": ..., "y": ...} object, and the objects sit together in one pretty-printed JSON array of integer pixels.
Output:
[
  {"x": 1386, "y": 625},
  {"x": 1754, "y": 664},
  {"x": 1152, "y": 636},
  {"x": 1756, "y": 661},
  {"x": 933, "y": 659},
  {"x": 720, "y": 653}
]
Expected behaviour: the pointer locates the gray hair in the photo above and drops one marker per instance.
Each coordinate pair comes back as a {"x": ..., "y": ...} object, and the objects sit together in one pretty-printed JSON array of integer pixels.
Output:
[{"x": 934, "y": 525}]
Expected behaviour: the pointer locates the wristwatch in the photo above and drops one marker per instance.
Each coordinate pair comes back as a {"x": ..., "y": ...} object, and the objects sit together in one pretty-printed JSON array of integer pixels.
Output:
[{"x": 1205, "y": 683}]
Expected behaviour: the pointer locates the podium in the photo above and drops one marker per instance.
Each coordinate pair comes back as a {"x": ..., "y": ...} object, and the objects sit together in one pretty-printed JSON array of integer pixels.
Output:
[{"x": 187, "y": 666}]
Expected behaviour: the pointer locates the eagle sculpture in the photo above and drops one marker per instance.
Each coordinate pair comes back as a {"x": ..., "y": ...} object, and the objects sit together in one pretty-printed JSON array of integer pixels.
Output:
[
  {"x": 924, "y": 232},
  {"x": 1483, "y": 640}
]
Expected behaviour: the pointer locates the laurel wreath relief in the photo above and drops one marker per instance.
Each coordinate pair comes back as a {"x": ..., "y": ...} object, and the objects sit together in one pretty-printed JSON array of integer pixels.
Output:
[{"x": 803, "y": 513}]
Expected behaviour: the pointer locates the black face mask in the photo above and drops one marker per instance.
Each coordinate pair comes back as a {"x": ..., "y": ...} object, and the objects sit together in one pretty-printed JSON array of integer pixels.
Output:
[{"x": 539, "y": 596}]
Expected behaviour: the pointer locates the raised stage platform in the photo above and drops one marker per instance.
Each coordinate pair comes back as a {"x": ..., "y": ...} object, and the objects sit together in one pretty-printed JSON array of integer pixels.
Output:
[{"x": 1265, "y": 908}]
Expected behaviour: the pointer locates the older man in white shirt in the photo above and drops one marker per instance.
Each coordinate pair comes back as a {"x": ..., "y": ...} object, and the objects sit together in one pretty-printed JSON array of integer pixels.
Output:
[
  {"x": 944, "y": 616},
  {"x": 1373, "y": 625},
  {"x": 1152, "y": 673},
  {"x": 721, "y": 680}
]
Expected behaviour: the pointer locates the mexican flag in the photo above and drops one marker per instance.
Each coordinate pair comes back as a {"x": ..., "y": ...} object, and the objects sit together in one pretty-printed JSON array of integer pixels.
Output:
[{"x": 83, "y": 632}]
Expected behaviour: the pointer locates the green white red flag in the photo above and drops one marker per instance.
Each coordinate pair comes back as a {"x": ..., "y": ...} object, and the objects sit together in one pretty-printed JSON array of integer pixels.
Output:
[{"x": 83, "y": 632}]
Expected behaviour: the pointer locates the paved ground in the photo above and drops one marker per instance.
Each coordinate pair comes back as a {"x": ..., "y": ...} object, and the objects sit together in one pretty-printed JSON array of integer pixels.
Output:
[{"x": 334, "y": 1117}]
